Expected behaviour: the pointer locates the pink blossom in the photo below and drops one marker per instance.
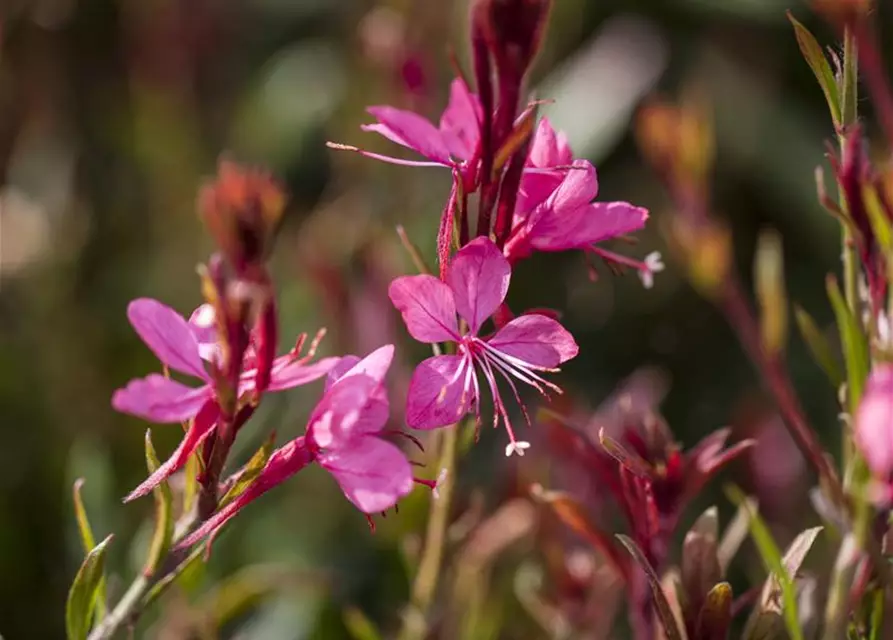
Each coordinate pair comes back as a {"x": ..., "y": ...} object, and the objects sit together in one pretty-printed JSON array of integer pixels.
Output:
[
  {"x": 186, "y": 347},
  {"x": 874, "y": 421},
  {"x": 444, "y": 388},
  {"x": 342, "y": 436},
  {"x": 452, "y": 143}
]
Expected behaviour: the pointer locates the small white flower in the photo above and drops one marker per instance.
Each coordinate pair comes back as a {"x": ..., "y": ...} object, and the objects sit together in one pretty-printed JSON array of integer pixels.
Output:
[
  {"x": 653, "y": 264},
  {"x": 516, "y": 447}
]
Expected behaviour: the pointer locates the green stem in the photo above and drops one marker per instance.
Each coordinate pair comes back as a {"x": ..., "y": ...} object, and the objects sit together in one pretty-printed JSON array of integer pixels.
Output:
[{"x": 425, "y": 585}]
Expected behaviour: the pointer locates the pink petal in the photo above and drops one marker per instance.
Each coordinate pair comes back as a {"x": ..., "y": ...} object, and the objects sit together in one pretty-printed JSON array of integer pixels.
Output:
[
  {"x": 373, "y": 474},
  {"x": 479, "y": 276},
  {"x": 580, "y": 228},
  {"x": 536, "y": 187},
  {"x": 460, "y": 122},
  {"x": 375, "y": 365},
  {"x": 168, "y": 335},
  {"x": 874, "y": 421},
  {"x": 289, "y": 372},
  {"x": 536, "y": 340},
  {"x": 160, "y": 399},
  {"x": 427, "y": 307},
  {"x": 204, "y": 328},
  {"x": 200, "y": 429},
  {"x": 337, "y": 372},
  {"x": 438, "y": 395},
  {"x": 353, "y": 406},
  {"x": 283, "y": 463},
  {"x": 409, "y": 130},
  {"x": 548, "y": 148},
  {"x": 579, "y": 187}
]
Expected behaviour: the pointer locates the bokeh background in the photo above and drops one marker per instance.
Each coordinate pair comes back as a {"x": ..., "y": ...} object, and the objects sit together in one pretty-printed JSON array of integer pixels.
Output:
[{"x": 113, "y": 111}]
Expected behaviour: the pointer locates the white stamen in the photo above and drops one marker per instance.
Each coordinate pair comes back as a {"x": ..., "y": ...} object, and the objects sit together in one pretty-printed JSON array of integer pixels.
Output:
[
  {"x": 516, "y": 447},
  {"x": 653, "y": 264}
]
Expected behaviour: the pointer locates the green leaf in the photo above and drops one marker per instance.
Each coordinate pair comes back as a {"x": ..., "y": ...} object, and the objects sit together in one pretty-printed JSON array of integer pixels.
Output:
[
  {"x": 818, "y": 346},
  {"x": 164, "y": 519},
  {"x": 661, "y": 604},
  {"x": 779, "y": 596},
  {"x": 88, "y": 541},
  {"x": 855, "y": 344},
  {"x": 815, "y": 58},
  {"x": 83, "y": 593},
  {"x": 191, "y": 486},
  {"x": 769, "y": 278},
  {"x": 359, "y": 625},
  {"x": 880, "y": 222},
  {"x": 250, "y": 471}
]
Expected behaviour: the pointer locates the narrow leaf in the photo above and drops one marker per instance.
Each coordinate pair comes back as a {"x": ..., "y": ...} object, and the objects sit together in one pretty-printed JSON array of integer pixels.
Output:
[
  {"x": 815, "y": 58},
  {"x": 572, "y": 514},
  {"x": 780, "y": 581},
  {"x": 664, "y": 611},
  {"x": 855, "y": 344},
  {"x": 633, "y": 463},
  {"x": 516, "y": 139},
  {"x": 83, "y": 593},
  {"x": 769, "y": 278},
  {"x": 164, "y": 519},
  {"x": 88, "y": 541},
  {"x": 250, "y": 471},
  {"x": 191, "y": 485},
  {"x": 877, "y": 217},
  {"x": 735, "y": 533},
  {"x": 818, "y": 346}
]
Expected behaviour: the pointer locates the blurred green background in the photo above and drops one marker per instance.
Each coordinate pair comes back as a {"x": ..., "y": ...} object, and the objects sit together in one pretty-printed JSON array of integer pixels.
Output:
[{"x": 113, "y": 111}]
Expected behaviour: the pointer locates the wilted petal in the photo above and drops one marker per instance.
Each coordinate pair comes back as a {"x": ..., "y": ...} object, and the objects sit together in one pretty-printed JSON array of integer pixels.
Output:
[
  {"x": 168, "y": 335},
  {"x": 160, "y": 399},
  {"x": 557, "y": 230},
  {"x": 352, "y": 406},
  {"x": 479, "y": 277},
  {"x": 874, "y": 421},
  {"x": 283, "y": 463},
  {"x": 200, "y": 429},
  {"x": 372, "y": 473},
  {"x": 409, "y": 130},
  {"x": 536, "y": 340},
  {"x": 437, "y": 392},
  {"x": 460, "y": 122},
  {"x": 427, "y": 307}
]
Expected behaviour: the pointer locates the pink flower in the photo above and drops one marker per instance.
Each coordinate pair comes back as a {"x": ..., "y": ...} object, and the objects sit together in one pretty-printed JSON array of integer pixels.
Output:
[
  {"x": 343, "y": 437},
  {"x": 184, "y": 347},
  {"x": 444, "y": 388},
  {"x": 452, "y": 143},
  {"x": 874, "y": 421}
]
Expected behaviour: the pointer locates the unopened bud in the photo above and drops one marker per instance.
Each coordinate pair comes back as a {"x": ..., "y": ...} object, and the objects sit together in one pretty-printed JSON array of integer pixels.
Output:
[
  {"x": 513, "y": 30},
  {"x": 242, "y": 209}
]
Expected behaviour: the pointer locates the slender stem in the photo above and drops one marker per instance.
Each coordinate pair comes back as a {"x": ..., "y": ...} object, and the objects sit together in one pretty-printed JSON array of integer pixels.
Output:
[{"x": 423, "y": 589}]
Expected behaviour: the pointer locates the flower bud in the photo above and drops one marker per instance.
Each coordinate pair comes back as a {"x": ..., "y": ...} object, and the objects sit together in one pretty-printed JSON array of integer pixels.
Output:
[
  {"x": 874, "y": 421},
  {"x": 513, "y": 30},
  {"x": 242, "y": 209}
]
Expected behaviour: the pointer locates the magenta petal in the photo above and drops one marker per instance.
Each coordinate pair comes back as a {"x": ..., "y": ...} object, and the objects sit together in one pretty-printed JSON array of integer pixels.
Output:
[
  {"x": 168, "y": 335},
  {"x": 437, "y": 394},
  {"x": 200, "y": 429},
  {"x": 579, "y": 187},
  {"x": 598, "y": 221},
  {"x": 460, "y": 122},
  {"x": 375, "y": 365},
  {"x": 160, "y": 399},
  {"x": 410, "y": 130},
  {"x": 548, "y": 148},
  {"x": 479, "y": 276},
  {"x": 352, "y": 406},
  {"x": 283, "y": 463},
  {"x": 345, "y": 364},
  {"x": 372, "y": 473},
  {"x": 289, "y": 372},
  {"x": 427, "y": 307},
  {"x": 536, "y": 340},
  {"x": 874, "y": 421}
]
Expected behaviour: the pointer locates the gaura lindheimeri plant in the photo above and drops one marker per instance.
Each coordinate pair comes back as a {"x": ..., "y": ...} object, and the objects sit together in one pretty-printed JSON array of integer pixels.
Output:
[
  {"x": 874, "y": 422},
  {"x": 189, "y": 348},
  {"x": 343, "y": 436},
  {"x": 444, "y": 388}
]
